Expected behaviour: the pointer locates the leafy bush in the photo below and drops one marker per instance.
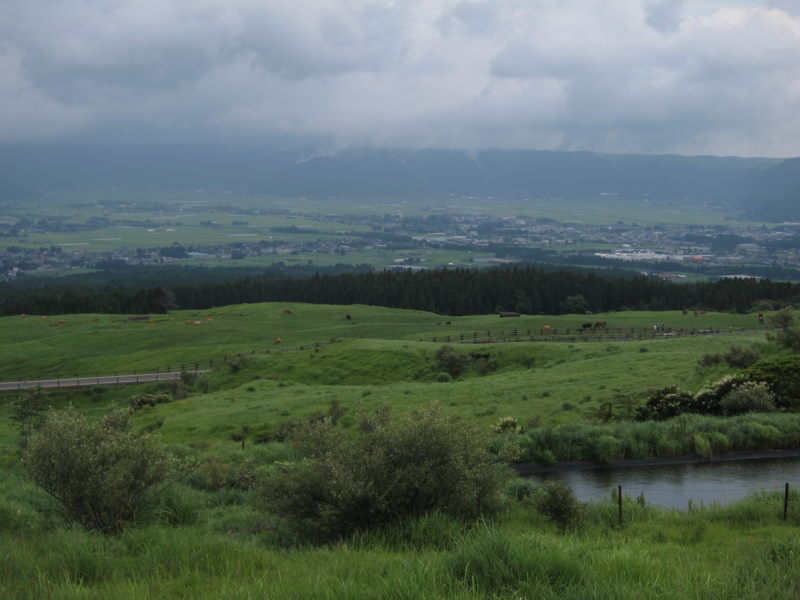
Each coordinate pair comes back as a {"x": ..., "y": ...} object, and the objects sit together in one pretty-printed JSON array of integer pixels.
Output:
[
  {"x": 750, "y": 396},
  {"x": 389, "y": 469},
  {"x": 451, "y": 360},
  {"x": 102, "y": 473},
  {"x": 142, "y": 400},
  {"x": 783, "y": 377},
  {"x": 665, "y": 403},
  {"x": 710, "y": 360},
  {"x": 507, "y": 425},
  {"x": 740, "y": 357},
  {"x": 557, "y": 501},
  {"x": 707, "y": 400}
]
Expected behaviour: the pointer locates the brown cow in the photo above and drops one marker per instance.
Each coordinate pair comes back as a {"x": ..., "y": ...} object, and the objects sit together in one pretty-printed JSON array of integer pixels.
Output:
[
  {"x": 549, "y": 329},
  {"x": 600, "y": 325},
  {"x": 278, "y": 341}
]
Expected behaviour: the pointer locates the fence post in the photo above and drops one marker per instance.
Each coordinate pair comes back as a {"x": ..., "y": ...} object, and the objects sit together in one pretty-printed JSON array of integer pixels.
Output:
[
  {"x": 619, "y": 504},
  {"x": 786, "y": 502}
]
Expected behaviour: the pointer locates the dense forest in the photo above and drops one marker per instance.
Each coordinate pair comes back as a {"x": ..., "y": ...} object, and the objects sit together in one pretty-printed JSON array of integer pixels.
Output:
[{"x": 526, "y": 289}]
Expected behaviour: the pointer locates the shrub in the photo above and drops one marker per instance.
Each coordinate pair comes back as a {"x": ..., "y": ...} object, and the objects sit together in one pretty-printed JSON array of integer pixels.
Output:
[
  {"x": 451, "y": 360},
  {"x": 102, "y": 473},
  {"x": 665, "y": 403},
  {"x": 740, "y": 357},
  {"x": 557, "y": 501},
  {"x": 444, "y": 377},
  {"x": 750, "y": 396},
  {"x": 707, "y": 400},
  {"x": 387, "y": 470},
  {"x": 710, "y": 360},
  {"x": 783, "y": 377},
  {"x": 507, "y": 425},
  {"x": 142, "y": 400}
]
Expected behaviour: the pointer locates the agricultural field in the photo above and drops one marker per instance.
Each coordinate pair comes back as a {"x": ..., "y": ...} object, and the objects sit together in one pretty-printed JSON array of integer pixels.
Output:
[{"x": 75, "y": 231}]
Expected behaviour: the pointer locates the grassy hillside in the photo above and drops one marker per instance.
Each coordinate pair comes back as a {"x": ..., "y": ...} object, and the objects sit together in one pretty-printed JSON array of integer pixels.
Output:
[
  {"x": 210, "y": 539},
  {"x": 89, "y": 344}
]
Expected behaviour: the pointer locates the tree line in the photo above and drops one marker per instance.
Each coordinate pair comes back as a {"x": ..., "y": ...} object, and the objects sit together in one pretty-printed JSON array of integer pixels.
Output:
[{"x": 525, "y": 289}]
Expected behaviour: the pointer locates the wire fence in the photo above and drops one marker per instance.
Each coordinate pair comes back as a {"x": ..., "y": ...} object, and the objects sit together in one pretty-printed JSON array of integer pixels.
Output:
[
  {"x": 783, "y": 498},
  {"x": 552, "y": 334}
]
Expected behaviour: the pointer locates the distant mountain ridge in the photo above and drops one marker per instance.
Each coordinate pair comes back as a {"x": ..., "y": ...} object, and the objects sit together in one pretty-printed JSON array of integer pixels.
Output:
[{"x": 730, "y": 180}]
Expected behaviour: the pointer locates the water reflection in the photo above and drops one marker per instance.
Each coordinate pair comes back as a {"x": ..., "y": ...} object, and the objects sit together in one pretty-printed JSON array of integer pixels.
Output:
[{"x": 672, "y": 486}]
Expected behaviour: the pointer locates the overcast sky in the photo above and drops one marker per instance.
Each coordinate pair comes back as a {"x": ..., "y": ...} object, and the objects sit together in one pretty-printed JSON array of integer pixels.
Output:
[{"x": 656, "y": 76}]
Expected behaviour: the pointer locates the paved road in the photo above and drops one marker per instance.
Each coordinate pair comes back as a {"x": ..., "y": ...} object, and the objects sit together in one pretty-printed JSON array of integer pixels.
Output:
[{"x": 73, "y": 382}]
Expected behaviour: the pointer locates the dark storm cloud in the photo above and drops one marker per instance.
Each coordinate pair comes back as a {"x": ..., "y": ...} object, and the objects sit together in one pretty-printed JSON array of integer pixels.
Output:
[{"x": 691, "y": 76}]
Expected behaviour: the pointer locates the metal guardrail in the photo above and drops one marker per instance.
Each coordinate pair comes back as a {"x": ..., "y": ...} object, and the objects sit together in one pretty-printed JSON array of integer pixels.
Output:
[{"x": 169, "y": 372}]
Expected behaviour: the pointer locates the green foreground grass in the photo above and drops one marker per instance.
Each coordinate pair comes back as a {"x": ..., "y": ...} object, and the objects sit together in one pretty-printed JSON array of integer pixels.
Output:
[
  {"x": 221, "y": 545},
  {"x": 198, "y": 542}
]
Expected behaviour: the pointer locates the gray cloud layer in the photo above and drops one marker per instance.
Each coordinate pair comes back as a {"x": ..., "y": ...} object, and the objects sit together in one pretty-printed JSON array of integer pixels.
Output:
[{"x": 686, "y": 76}]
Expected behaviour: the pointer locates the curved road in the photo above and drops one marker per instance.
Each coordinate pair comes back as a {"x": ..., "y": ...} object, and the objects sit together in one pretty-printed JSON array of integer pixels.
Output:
[{"x": 73, "y": 382}]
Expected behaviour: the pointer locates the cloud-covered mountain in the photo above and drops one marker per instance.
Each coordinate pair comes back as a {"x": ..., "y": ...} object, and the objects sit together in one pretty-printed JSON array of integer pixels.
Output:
[{"x": 729, "y": 180}]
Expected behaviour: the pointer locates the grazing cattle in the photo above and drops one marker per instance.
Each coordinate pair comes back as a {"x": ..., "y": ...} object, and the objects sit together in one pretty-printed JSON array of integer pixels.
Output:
[
  {"x": 699, "y": 312},
  {"x": 24, "y": 316},
  {"x": 447, "y": 323},
  {"x": 348, "y": 317},
  {"x": 278, "y": 341},
  {"x": 760, "y": 317},
  {"x": 586, "y": 326},
  {"x": 600, "y": 325},
  {"x": 287, "y": 311},
  {"x": 685, "y": 311},
  {"x": 549, "y": 329}
]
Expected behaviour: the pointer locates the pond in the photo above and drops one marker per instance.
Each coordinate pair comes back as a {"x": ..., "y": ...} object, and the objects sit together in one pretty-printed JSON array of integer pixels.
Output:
[{"x": 674, "y": 485}]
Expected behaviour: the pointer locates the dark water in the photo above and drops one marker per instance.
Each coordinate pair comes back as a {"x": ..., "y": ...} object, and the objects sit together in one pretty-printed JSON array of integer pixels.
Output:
[{"x": 672, "y": 486}]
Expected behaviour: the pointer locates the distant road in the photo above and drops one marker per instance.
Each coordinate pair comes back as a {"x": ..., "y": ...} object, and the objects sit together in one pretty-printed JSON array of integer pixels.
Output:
[{"x": 73, "y": 382}]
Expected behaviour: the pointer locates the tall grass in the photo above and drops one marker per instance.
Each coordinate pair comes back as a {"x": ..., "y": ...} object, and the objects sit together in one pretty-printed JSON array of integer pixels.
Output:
[
  {"x": 727, "y": 553},
  {"x": 686, "y": 434}
]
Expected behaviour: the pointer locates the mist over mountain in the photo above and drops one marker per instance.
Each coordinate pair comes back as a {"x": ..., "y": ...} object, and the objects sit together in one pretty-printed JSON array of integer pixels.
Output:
[
  {"x": 775, "y": 193},
  {"x": 761, "y": 185}
]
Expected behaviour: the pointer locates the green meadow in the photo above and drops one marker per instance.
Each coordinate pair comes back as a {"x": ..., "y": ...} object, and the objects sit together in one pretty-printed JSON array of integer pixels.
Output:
[{"x": 206, "y": 539}]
